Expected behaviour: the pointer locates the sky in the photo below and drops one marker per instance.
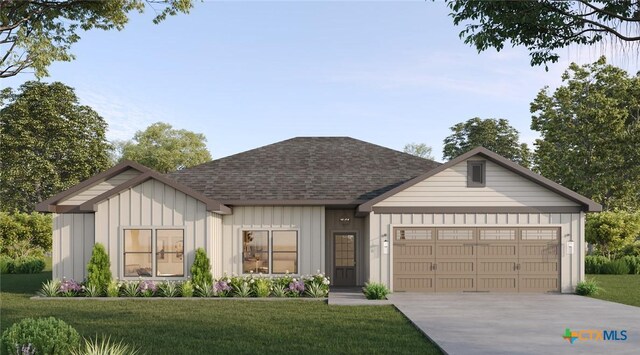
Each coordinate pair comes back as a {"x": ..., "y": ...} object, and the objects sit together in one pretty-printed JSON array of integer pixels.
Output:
[{"x": 247, "y": 74}]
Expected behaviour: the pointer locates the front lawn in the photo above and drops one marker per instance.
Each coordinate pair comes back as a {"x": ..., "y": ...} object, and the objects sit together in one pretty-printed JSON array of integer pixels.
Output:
[
  {"x": 221, "y": 326},
  {"x": 619, "y": 288}
]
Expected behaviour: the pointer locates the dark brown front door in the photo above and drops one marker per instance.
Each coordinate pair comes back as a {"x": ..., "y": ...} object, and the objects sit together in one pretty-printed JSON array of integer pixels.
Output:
[{"x": 344, "y": 251}]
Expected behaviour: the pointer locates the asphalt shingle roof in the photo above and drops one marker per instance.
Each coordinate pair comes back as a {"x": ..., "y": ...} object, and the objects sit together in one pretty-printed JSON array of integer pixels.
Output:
[{"x": 305, "y": 168}]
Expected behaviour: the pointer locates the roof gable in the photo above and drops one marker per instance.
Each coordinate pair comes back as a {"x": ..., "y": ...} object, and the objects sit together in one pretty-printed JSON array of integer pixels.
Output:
[
  {"x": 54, "y": 204},
  {"x": 523, "y": 173}
]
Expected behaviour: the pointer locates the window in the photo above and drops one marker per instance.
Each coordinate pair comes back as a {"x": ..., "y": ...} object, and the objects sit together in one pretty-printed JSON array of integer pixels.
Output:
[
  {"x": 270, "y": 252},
  {"x": 476, "y": 173},
  {"x": 154, "y": 252}
]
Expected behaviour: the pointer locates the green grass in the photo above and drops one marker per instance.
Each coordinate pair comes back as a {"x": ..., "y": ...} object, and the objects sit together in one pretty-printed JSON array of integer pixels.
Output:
[
  {"x": 619, "y": 288},
  {"x": 225, "y": 326}
]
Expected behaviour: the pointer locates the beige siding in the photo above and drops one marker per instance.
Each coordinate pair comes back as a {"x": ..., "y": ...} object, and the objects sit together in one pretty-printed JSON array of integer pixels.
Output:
[
  {"x": 99, "y": 188},
  {"x": 215, "y": 247},
  {"x": 308, "y": 220},
  {"x": 571, "y": 224},
  {"x": 73, "y": 239},
  {"x": 151, "y": 203},
  {"x": 449, "y": 188}
]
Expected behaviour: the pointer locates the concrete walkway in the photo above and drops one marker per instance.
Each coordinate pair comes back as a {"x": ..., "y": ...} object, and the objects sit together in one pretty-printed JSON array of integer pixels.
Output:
[
  {"x": 352, "y": 296},
  {"x": 519, "y": 323}
]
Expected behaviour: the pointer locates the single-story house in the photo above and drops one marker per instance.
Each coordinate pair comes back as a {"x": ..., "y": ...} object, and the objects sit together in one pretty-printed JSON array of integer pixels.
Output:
[{"x": 354, "y": 210}]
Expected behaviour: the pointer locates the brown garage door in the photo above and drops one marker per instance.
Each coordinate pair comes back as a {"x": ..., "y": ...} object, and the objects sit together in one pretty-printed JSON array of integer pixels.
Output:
[{"x": 476, "y": 259}]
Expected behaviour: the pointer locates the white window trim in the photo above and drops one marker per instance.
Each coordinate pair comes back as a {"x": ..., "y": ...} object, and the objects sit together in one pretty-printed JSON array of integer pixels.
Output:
[
  {"x": 154, "y": 261},
  {"x": 270, "y": 244}
]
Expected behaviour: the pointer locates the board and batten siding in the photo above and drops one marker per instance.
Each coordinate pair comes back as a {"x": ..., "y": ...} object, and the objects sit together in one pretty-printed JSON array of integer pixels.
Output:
[
  {"x": 309, "y": 221},
  {"x": 73, "y": 236},
  {"x": 449, "y": 188},
  {"x": 99, "y": 188},
  {"x": 571, "y": 224},
  {"x": 155, "y": 204}
]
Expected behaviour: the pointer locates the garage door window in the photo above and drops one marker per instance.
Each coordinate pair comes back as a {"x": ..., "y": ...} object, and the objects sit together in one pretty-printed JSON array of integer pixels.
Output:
[
  {"x": 414, "y": 234},
  {"x": 497, "y": 234},
  {"x": 455, "y": 234}
]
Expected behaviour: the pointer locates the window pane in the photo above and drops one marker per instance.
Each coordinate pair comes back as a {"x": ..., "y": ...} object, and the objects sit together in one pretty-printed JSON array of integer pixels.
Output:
[
  {"x": 255, "y": 251},
  {"x": 285, "y": 241},
  {"x": 285, "y": 252},
  {"x": 169, "y": 252},
  {"x": 137, "y": 264},
  {"x": 477, "y": 173},
  {"x": 137, "y": 240}
]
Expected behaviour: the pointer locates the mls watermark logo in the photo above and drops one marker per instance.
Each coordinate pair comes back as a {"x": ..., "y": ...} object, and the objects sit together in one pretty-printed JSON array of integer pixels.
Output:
[{"x": 594, "y": 335}]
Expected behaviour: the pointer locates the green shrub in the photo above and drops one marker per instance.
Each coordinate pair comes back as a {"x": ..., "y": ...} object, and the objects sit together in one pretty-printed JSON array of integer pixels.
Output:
[
  {"x": 262, "y": 287},
  {"x": 28, "y": 265},
  {"x": 50, "y": 288},
  {"x": 633, "y": 262},
  {"x": 41, "y": 335},
  {"x": 589, "y": 287},
  {"x": 201, "y": 269},
  {"x": 104, "y": 346},
  {"x": 375, "y": 291},
  {"x": 615, "y": 267},
  {"x": 113, "y": 289},
  {"x": 6, "y": 264},
  {"x": 186, "y": 289},
  {"x": 24, "y": 234},
  {"x": 99, "y": 269},
  {"x": 593, "y": 263}
]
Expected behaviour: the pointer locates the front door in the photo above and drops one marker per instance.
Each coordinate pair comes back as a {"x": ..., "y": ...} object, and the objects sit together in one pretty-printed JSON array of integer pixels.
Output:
[{"x": 344, "y": 251}]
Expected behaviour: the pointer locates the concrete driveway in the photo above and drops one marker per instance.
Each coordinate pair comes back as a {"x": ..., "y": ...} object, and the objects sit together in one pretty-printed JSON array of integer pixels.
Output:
[{"x": 519, "y": 323}]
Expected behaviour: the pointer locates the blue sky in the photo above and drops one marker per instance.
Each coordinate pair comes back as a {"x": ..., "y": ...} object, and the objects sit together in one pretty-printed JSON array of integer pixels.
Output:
[{"x": 250, "y": 74}]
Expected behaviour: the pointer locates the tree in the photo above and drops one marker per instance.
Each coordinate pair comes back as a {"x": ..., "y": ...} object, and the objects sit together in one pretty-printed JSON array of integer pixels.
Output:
[
  {"x": 612, "y": 231},
  {"x": 494, "y": 134},
  {"x": 48, "y": 143},
  {"x": 590, "y": 134},
  {"x": 545, "y": 26},
  {"x": 99, "y": 269},
  {"x": 201, "y": 270},
  {"x": 165, "y": 149},
  {"x": 420, "y": 150},
  {"x": 35, "y": 33}
]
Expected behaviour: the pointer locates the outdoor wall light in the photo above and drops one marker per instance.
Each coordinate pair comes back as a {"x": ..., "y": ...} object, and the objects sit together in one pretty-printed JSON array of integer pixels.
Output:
[
  {"x": 344, "y": 220},
  {"x": 385, "y": 246}
]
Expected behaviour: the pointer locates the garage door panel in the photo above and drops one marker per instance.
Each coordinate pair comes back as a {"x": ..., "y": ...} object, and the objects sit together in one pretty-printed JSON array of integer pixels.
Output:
[
  {"x": 498, "y": 283},
  {"x": 455, "y": 251},
  {"x": 538, "y": 284},
  {"x": 455, "y": 283},
  {"x": 413, "y": 267},
  {"x": 418, "y": 250},
  {"x": 498, "y": 266},
  {"x": 537, "y": 267},
  {"x": 413, "y": 283},
  {"x": 498, "y": 251},
  {"x": 455, "y": 267}
]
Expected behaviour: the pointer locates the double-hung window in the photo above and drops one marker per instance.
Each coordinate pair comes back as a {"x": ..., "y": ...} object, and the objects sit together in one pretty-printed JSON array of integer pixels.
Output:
[
  {"x": 270, "y": 251},
  {"x": 153, "y": 252}
]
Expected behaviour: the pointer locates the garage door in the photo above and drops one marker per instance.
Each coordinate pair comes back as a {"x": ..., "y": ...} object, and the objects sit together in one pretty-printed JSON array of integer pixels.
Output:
[{"x": 476, "y": 259}]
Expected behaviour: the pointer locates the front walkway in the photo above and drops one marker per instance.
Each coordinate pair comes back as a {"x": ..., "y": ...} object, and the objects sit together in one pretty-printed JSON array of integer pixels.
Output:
[
  {"x": 352, "y": 296},
  {"x": 519, "y": 323}
]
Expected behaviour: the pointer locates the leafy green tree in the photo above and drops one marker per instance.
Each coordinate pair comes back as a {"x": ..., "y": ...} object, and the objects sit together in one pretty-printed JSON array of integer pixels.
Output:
[
  {"x": 165, "y": 149},
  {"x": 35, "y": 33},
  {"x": 545, "y": 26},
  {"x": 590, "y": 134},
  {"x": 420, "y": 150},
  {"x": 99, "y": 269},
  {"x": 612, "y": 231},
  {"x": 48, "y": 143},
  {"x": 201, "y": 270},
  {"x": 494, "y": 134},
  {"x": 25, "y": 234}
]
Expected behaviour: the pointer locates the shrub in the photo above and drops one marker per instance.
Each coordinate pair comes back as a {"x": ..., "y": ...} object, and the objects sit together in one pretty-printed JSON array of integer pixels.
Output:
[
  {"x": 375, "y": 291},
  {"x": 50, "y": 288},
  {"x": 633, "y": 262},
  {"x": 130, "y": 289},
  {"x": 205, "y": 290},
  {"x": 279, "y": 291},
  {"x": 69, "y": 288},
  {"x": 588, "y": 287},
  {"x": 242, "y": 290},
  {"x": 28, "y": 265},
  {"x": 186, "y": 289},
  {"x": 593, "y": 263},
  {"x": 201, "y": 269},
  {"x": 169, "y": 289},
  {"x": 104, "y": 346},
  {"x": 99, "y": 269},
  {"x": 147, "y": 288},
  {"x": 41, "y": 335},
  {"x": 612, "y": 231},
  {"x": 296, "y": 288},
  {"x": 615, "y": 267},
  {"x": 222, "y": 287},
  {"x": 92, "y": 291},
  {"x": 317, "y": 285},
  {"x": 262, "y": 287},
  {"x": 113, "y": 289},
  {"x": 6, "y": 264}
]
